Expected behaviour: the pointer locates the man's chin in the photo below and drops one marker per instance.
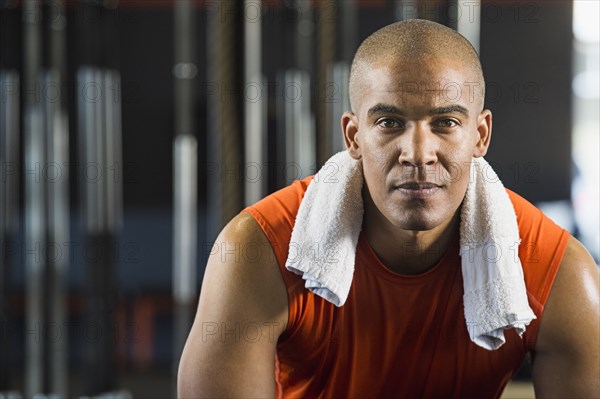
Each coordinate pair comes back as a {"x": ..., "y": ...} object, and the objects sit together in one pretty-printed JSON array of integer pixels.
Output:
[
  {"x": 421, "y": 220},
  {"x": 416, "y": 224}
]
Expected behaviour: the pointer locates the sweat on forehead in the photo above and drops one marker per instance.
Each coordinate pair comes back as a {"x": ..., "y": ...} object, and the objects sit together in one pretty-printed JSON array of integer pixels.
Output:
[{"x": 412, "y": 39}]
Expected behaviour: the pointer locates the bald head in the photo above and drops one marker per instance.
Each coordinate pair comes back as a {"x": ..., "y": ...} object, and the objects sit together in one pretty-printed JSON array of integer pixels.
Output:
[{"x": 413, "y": 39}]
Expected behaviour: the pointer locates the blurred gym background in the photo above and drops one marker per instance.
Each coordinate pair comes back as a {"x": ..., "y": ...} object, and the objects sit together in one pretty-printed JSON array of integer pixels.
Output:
[{"x": 132, "y": 131}]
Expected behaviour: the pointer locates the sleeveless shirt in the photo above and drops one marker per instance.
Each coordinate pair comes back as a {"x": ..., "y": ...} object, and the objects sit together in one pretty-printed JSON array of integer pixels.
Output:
[{"x": 400, "y": 336}]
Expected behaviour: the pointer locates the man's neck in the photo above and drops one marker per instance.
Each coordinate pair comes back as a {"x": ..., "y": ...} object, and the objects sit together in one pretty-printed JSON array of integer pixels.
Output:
[{"x": 406, "y": 251}]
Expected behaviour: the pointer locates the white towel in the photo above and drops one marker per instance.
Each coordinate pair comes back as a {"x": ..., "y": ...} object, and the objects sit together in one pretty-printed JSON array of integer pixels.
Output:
[{"x": 323, "y": 246}]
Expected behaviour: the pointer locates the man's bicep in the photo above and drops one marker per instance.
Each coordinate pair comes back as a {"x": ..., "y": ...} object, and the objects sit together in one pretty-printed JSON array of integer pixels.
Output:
[
  {"x": 241, "y": 313},
  {"x": 567, "y": 356}
]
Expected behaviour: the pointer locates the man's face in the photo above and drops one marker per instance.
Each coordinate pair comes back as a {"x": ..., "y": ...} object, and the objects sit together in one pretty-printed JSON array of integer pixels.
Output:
[{"x": 417, "y": 126}]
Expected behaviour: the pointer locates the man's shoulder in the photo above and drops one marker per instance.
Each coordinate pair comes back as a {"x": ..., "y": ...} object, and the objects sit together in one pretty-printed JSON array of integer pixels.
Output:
[
  {"x": 533, "y": 224},
  {"x": 291, "y": 194},
  {"x": 276, "y": 215},
  {"x": 523, "y": 208},
  {"x": 278, "y": 210},
  {"x": 542, "y": 247},
  {"x": 537, "y": 231}
]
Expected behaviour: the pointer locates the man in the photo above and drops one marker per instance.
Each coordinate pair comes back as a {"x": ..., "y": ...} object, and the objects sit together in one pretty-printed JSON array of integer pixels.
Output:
[{"x": 259, "y": 333}]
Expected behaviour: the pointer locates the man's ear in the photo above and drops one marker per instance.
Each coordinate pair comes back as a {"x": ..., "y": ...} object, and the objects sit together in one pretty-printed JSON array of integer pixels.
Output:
[
  {"x": 350, "y": 130},
  {"x": 484, "y": 130}
]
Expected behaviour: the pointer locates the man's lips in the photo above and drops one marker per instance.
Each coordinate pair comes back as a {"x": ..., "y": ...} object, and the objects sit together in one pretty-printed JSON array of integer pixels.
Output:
[
  {"x": 417, "y": 185},
  {"x": 418, "y": 190}
]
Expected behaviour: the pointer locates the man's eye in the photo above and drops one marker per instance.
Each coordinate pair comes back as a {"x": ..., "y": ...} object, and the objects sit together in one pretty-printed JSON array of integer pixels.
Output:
[
  {"x": 388, "y": 123},
  {"x": 446, "y": 123}
]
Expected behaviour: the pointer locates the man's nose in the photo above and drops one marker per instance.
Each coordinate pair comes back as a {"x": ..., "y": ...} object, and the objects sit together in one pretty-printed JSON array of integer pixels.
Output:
[{"x": 418, "y": 147}]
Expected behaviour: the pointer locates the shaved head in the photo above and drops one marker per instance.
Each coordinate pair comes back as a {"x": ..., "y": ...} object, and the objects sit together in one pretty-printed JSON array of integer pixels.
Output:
[{"x": 413, "y": 39}]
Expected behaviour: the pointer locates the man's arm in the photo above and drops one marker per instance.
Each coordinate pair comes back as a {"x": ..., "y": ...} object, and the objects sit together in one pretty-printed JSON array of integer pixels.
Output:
[
  {"x": 566, "y": 362},
  {"x": 230, "y": 351}
]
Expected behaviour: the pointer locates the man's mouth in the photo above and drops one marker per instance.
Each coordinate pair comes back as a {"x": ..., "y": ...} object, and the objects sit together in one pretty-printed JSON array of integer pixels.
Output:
[{"x": 418, "y": 189}]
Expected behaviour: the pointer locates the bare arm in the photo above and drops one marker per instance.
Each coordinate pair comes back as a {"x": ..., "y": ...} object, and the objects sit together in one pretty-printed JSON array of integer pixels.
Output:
[
  {"x": 230, "y": 351},
  {"x": 566, "y": 362}
]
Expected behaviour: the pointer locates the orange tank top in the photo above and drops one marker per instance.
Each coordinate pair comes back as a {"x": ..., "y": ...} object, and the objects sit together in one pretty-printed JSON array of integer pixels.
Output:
[{"x": 399, "y": 336}]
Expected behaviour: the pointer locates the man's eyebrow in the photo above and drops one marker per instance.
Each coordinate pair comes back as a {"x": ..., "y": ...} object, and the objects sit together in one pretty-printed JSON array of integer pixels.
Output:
[
  {"x": 383, "y": 108},
  {"x": 450, "y": 109}
]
